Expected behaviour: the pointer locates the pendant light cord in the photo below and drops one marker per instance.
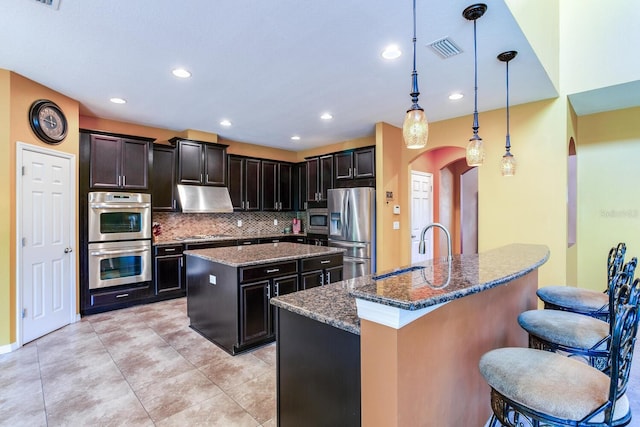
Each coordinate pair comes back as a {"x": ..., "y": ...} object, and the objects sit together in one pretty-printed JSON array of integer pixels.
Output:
[
  {"x": 475, "y": 83},
  {"x": 414, "y": 75},
  {"x": 508, "y": 147}
]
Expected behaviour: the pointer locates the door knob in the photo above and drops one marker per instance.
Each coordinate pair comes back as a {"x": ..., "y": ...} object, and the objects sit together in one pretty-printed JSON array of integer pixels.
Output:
[{"x": 67, "y": 250}]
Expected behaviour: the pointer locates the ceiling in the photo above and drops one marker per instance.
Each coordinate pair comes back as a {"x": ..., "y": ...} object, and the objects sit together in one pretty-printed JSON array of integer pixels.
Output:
[{"x": 270, "y": 67}]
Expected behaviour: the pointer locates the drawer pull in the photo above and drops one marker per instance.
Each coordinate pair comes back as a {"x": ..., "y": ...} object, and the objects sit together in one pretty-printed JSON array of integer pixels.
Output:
[
  {"x": 122, "y": 295},
  {"x": 273, "y": 270},
  {"x": 326, "y": 261},
  {"x": 246, "y": 243},
  {"x": 170, "y": 249}
]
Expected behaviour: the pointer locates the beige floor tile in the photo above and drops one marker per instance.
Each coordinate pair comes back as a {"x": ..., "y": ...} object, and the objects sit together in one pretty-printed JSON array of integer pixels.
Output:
[
  {"x": 144, "y": 367},
  {"x": 52, "y": 356},
  {"x": 235, "y": 370},
  {"x": 266, "y": 353},
  {"x": 125, "y": 343},
  {"x": 271, "y": 423},
  {"x": 20, "y": 365},
  {"x": 166, "y": 397},
  {"x": 219, "y": 411},
  {"x": 257, "y": 396}
]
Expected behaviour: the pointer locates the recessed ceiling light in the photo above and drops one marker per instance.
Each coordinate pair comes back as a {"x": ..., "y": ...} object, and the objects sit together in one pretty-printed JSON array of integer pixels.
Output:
[
  {"x": 295, "y": 138},
  {"x": 326, "y": 116},
  {"x": 118, "y": 100},
  {"x": 181, "y": 72},
  {"x": 455, "y": 96},
  {"x": 391, "y": 52},
  {"x": 225, "y": 122}
]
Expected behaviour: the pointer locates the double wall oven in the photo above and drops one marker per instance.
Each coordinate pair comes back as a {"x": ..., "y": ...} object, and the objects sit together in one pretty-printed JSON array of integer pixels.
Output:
[{"x": 119, "y": 236}]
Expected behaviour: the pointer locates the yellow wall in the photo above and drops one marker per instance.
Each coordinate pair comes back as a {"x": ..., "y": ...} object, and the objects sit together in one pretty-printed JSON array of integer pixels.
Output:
[
  {"x": 608, "y": 149},
  {"x": 7, "y": 300}
]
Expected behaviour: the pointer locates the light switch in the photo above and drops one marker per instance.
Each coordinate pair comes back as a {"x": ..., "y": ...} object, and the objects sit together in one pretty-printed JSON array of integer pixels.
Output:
[
  {"x": 396, "y": 225},
  {"x": 396, "y": 209}
]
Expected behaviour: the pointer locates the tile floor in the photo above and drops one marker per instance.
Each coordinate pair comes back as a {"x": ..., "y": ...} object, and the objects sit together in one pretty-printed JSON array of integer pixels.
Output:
[{"x": 141, "y": 366}]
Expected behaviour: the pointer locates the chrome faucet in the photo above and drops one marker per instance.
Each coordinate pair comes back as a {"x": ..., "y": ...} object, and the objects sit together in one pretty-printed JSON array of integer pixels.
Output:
[{"x": 422, "y": 247}]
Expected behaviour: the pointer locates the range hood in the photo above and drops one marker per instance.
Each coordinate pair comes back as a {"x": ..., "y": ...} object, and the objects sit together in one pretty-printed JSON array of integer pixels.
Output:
[{"x": 204, "y": 199}]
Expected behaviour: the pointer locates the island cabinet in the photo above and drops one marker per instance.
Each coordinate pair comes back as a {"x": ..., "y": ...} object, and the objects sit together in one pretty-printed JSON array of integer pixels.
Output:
[
  {"x": 201, "y": 163},
  {"x": 320, "y": 271}
]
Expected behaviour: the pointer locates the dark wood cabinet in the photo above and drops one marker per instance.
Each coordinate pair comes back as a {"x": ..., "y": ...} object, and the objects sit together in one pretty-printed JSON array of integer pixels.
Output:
[
  {"x": 319, "y": 178},
  {"x": 244, "y": 183},
  {"x": 320, "y": 271},
  {"x": 163, "y": 179},
  {"x": 201, "y": 163},
  {"x": 277, "y": 186},
  {"x": 355, "y": 167},
  {"x": 300, "y": 187},
  {"x": 117, "y": 162},
  {"x": 168, "y": 271}
]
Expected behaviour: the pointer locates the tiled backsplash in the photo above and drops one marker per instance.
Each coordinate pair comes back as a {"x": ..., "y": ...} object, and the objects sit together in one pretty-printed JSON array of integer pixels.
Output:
[{"x": 175, "y": 225}]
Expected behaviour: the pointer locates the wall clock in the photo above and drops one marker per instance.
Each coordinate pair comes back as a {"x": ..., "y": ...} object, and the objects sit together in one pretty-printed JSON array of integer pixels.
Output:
[{"x": 48, "y": 121}]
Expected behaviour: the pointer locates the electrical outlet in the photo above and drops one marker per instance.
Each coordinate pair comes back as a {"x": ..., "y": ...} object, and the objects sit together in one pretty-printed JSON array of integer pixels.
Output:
[
  {"x": 396, "y": 225},
  {"x": 239, "y": 223},
  {"x": 275, "y": 221},
  {"x": 212, "y": 279}
]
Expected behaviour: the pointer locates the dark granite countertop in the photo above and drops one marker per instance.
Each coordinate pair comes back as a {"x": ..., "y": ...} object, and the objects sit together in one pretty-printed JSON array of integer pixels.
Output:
[
  {"x": 241, "y": 256},
  {"x": 223, "y": 237},
  {"x": 415, "y": 289}
]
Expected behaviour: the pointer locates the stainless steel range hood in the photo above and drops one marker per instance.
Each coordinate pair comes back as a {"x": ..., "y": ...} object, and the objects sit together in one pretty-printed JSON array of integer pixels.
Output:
[{"x": 204, "y": 199}]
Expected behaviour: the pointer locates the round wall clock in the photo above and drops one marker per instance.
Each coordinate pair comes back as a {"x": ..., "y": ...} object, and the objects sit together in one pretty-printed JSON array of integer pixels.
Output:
[{"x": 48, "y": 121}]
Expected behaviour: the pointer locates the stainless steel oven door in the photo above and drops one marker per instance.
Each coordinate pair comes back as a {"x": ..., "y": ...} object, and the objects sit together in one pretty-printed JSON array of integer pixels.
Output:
[
  {"x": 119, "y": 216},
  {"x": 119, "y": 263}
]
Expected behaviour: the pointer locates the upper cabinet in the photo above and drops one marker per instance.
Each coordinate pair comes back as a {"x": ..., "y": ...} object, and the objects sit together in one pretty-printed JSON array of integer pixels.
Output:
[
  {"x": 244, "y": 183},
  {"x": 300, "y": 186},
  {"x": 163, "y": 178},
  {"x": 359, "y": 164},
  {"x": 201, "y": 163},
  {"x": 117, "y": 162},
  {"x": 319, "y": 177},
  {"x": 277, "y": 186}
]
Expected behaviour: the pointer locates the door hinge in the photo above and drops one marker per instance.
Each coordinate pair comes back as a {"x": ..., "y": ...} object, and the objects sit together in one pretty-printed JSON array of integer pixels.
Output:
[
  {"x": 24, "y": 242},
  {"x": 24, "y": 171},
  {"x": 24, "y": 313}
]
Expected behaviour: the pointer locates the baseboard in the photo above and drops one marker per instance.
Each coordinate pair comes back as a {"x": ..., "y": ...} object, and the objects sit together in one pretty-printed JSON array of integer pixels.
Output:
[{"x": 9, "y": 348}]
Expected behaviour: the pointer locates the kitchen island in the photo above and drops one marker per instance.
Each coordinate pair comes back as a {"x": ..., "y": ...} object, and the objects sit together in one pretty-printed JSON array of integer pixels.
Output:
[
  {"x": 413, "y": 336},
  {"x": 229, "y": 288}
]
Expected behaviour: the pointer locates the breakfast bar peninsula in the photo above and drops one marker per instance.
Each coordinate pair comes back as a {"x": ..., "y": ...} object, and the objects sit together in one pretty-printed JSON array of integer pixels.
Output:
[{"x": 401, "y": 348}]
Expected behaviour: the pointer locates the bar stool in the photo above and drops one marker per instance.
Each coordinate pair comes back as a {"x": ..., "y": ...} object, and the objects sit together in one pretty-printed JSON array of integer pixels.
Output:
[
  {"x": 533, "y": 387},
  {"x": 577, "y": 335},
  {"x": 584, "y": 301}
]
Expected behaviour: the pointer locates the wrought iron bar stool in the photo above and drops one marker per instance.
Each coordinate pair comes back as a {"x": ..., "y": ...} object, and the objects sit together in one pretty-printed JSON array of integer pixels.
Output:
[
  {"x": 531, "y": 387},
  {"x": 577, "y": 335},
  {"x": 584, "y": 301}
]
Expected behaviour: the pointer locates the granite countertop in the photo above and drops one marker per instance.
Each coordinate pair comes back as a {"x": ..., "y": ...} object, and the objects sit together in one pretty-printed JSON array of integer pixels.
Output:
[
  {"x": 438, "y": 282},
  {"x": 241, "y": 256},
  {"x": 222, "y": 237}
]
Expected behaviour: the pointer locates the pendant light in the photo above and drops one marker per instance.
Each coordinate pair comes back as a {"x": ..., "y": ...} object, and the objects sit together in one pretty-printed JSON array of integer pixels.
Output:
[
  {"x": 475, "y": 150},
  {"x": 508, "y": 164},
  {"x": 415, "y": 129}
]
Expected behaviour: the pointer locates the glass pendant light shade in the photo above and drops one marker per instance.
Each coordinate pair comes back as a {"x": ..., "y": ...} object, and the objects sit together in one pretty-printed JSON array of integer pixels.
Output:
[
  {"x": 508, "y": 165},
  {"x": 415, "y": 129},
  {"x": 475, "y": 151}
]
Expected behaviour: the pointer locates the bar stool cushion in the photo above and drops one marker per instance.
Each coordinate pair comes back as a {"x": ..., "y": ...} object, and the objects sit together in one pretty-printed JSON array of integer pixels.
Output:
[
  {"x": 578, "y": 299},
  {"x": 549, "y": 383},
  {"x": 565, "y": 328}
]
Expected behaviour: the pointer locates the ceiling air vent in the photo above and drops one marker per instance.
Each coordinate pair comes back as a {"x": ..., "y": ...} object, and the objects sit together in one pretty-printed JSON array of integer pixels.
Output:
[
  {"x": 54, "y": 4},
  {"x": 445, "y": 47}
]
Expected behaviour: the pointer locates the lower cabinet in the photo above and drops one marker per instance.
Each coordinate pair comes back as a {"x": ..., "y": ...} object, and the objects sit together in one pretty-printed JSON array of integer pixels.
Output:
[
  {"x": 168, "y": 271},
  {"x": 320, "y": 271}
]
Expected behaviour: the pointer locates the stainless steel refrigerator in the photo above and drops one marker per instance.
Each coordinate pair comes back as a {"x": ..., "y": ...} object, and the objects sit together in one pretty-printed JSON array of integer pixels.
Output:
[{"x": 352, "y": 226}]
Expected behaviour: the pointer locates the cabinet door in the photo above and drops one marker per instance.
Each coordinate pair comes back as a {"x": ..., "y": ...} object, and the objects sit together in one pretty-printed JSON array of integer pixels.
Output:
[
  {"x": 254, "y": 311},
  {"x": 135, "y": 162},
  {"x": 333, "y": 274},
  {"x": 281, "y": 286},
  {"x": 215, "y": 165},
  {"x": 364, "y": 163},
  {"x": 252, "y": 188},
  {"x": 190, "y": 163},
  {"x": 236, "y": 181},
  {"x": 344, "y": 165},
  {"x": 168, "y": 274},
  {"x": 269, "y": 187},
  {"x": 105, "y": 162},
  {"x": 326, "y": 175},
  {"x": 163, "y": 179},
  {"x": 300, "y": 187},
  {"x": 311, "y": 279},
  {"x": 313, "y": 171},
  {"x": 285, "y": 186}
]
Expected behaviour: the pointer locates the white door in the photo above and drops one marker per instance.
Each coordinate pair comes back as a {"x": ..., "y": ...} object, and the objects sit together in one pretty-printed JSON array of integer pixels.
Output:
[
  {"x": 421, "y": 214},
  {"x": 47, "y": 285}
]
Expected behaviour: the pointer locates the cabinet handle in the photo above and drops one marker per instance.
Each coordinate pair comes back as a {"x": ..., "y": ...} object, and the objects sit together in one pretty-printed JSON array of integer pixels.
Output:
[
  {"x": 350, "y": 173},
  {"x": 122, "y": 295},
  {"x": 247, "y": 205},
  {"x": 246, "y": 243},
  {"x": 277, "y": 289},
  {"x": 118, "y": 184},
  {"x": 201, "y": 178},
  {"x": 321, "y": 279},
  {"x": 273, "y": 270},
  {"x": 173, "y": 204},
  {"x": 170, "y": 249},
  {"x": 242, "y": 204},
  {"x": 328, "y": 277},
  {"x": 325, "y": 261},
  {"x": 124, "y": 180},
  {"x": 268, "y": 292},
  {"x": 206, "y": 178},
  {"x": 181, "y": 262},
  {"x": 305, "y": 205}
]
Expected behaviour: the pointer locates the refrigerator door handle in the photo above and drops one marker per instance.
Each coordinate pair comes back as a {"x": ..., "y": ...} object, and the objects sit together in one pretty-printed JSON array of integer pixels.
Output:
[
  {"x": 354, "y": 260},
  {"x": 343, "y": 244}
]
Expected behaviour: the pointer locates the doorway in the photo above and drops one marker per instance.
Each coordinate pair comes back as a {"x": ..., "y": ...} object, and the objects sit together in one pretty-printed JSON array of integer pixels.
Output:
[
  {"x": 421, "y": 214},
  {"x": 45, "y": 237}
]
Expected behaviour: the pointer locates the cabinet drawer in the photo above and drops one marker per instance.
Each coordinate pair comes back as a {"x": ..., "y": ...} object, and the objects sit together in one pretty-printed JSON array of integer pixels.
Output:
[
  {"x": 244, "y": 242},
  {"x": 321, "y": 262},
  {"x": 260, "y": 272},
  {"x": 119, "y": 296},
  {"x": 168, "y": 250}
]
